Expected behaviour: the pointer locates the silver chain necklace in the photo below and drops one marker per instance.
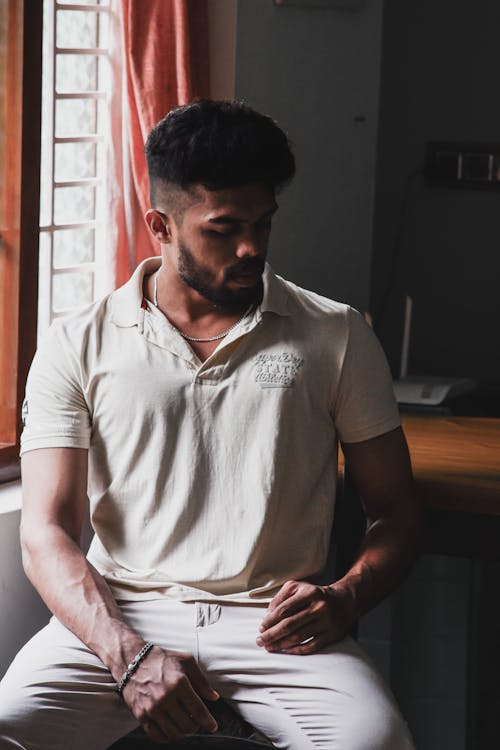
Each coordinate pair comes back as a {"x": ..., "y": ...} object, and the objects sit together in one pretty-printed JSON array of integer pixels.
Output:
[{"x": 196, "y": 339}]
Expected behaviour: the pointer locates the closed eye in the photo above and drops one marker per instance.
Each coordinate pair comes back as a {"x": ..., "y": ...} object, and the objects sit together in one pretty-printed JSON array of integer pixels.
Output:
[{"x": 218, "y": 233}]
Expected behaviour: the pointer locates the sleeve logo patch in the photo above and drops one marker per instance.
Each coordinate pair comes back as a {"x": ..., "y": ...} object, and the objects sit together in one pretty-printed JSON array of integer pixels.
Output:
[
  {"x": 24, "y": 412},
  {"x": 277, "y": 370}
]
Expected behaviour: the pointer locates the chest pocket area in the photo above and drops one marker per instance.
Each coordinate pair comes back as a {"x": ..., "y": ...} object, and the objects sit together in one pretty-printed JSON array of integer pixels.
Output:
[{"x": 277, "y": 369}]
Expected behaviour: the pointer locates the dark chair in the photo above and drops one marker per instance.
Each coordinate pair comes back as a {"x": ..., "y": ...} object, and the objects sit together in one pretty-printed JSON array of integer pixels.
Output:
[{"x": 234, "y": 733}]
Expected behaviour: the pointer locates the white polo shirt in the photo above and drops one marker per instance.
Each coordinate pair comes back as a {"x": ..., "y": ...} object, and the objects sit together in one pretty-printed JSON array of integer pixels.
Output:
[{"x": 211, "y": 480}]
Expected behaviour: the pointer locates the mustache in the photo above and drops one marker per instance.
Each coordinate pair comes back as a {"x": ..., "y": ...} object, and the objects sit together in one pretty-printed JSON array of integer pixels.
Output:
[{"x": 248, "y": 265}]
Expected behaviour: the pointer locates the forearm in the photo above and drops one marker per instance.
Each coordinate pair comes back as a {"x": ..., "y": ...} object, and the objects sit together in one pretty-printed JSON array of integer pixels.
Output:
[
  {"x": 388, "y": 549},
  {"x": 304, "y": 617},
  {"x": 79, "y": 596}
]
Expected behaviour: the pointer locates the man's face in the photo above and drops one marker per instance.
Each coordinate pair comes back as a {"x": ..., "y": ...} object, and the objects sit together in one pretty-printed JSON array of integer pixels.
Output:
[{"x": 221, "y": 242}]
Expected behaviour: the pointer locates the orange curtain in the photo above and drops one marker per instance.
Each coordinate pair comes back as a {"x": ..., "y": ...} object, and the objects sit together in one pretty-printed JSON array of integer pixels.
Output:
[
  {"x": 164, "y": 64},
  {"x": 11, "y": 90}
]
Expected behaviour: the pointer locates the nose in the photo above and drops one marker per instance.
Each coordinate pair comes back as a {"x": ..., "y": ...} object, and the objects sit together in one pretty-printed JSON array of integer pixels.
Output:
[{"x": 249, "y": 248}]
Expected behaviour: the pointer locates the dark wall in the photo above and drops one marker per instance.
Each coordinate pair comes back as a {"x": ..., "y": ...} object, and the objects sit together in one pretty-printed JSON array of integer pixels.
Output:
[
  {"x": 440, "y": 74},
  {"x": 316, "y": 71}
]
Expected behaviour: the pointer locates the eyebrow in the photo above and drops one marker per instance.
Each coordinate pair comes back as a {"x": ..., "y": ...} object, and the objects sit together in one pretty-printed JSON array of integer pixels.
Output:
[{"x": 227, "y": 219}]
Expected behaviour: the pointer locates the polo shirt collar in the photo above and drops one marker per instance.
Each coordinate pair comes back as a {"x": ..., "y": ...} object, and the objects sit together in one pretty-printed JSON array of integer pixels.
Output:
[
  {"x": 275, "y": 297},
  {"x": 126, "y": 301}
]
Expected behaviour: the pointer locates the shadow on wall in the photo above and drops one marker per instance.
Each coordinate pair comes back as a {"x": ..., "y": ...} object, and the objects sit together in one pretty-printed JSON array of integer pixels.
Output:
[{"x": 22, "y": 612}]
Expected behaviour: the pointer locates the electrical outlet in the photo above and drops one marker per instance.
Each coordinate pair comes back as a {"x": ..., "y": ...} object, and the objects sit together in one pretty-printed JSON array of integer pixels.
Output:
[{"x": 463, "y": 165}]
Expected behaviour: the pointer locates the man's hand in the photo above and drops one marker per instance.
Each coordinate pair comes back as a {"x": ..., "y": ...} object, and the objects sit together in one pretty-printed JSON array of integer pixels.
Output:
[
  {"x": 166, "y": 696},
  {"x": 303, "y": 618}
]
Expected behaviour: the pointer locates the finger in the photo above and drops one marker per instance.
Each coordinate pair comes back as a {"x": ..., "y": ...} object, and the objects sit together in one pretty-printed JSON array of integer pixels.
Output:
[
  {"x": 288, "y": 626},
  {"x": 199, "y": 682},
  {"x": 311, "y": 647},
  {"x": 181, "y": 716},
  {"x": 288, "y": 640},
  {"x": 291, "y": 606},
  {"x": 169, "y": 717},
  {"x": 288, "y": 588},
  {"x": 196, "y": 709}
]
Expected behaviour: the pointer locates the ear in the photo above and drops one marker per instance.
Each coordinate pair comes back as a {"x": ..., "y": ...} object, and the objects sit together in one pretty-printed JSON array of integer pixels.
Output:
[{"x": 158, "y": 224}]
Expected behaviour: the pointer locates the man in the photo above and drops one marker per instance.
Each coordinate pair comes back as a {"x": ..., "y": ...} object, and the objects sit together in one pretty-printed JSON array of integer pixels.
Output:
[{"x": 199, "y": 405}]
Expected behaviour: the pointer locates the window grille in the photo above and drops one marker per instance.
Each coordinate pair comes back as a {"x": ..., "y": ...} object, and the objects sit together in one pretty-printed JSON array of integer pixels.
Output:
[{"x": 75, "y": 96}]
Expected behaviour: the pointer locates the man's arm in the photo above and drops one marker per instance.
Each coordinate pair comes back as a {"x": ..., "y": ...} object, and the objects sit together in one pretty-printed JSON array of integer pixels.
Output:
[
  {"x": 165, "y": 693},
  {"x": 381, "y": 471}
]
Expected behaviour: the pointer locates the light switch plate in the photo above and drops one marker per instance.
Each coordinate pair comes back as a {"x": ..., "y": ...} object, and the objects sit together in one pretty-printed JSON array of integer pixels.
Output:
[{"x": 463, "y": 165}]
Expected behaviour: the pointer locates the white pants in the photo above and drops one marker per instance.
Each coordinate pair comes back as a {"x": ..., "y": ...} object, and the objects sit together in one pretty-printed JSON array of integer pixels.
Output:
[{"x": 57, "y": 695}]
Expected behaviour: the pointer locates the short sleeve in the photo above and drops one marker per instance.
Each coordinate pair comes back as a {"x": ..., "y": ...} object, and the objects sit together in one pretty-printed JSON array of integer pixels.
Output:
[
  {"x": 364, "y": 405},
  {"x": 55, "y": 413}
]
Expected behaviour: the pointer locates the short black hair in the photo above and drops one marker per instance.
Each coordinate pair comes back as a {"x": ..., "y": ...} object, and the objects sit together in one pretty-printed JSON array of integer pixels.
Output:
[{"x": 218, "y": 144}]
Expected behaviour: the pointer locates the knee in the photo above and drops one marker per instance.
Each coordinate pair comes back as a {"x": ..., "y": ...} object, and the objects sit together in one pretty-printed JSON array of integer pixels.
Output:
[{"x": 377, "y": 729}]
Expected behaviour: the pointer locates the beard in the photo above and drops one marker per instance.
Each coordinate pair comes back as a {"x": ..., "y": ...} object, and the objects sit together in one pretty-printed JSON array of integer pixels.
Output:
[{"x": 200, "y": 278}]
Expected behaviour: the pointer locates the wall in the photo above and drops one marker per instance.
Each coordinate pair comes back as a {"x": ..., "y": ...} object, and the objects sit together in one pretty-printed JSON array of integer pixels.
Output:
[
  {"x": 430, "y": 651},
  {"x": 439, "y": 74},
  {"x": 222, "y": 47},
  {"x": 316, "y": 71},
  {"x": 22, "y": 612}
]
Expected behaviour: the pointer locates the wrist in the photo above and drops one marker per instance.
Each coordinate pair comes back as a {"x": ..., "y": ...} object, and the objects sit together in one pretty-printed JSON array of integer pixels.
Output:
[
  {"x": 344, "y": 591},
  {"x": 361, "y": 584},
  {"x": 134, "y": 665},
  {"x": 121, "y": 649}
]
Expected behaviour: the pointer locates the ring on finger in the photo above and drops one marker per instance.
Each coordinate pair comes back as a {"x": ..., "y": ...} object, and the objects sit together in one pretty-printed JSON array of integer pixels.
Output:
[{"x": 307, "y": 640}]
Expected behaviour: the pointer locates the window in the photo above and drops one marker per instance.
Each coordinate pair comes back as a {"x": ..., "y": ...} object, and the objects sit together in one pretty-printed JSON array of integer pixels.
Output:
[
  {"x": 20, "y": 96},
  {"x": 52, "y": 251},
  {"x": 73, "y": 181}
]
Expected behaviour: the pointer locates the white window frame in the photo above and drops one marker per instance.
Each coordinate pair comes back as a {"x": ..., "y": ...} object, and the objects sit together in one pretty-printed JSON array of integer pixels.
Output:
[{"x": 99, "y": 267}]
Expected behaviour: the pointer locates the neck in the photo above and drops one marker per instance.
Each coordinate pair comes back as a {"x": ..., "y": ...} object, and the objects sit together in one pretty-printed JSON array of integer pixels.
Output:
[
  {"x": 194, "y": 338},
  {"x": 176, "y": 299}
]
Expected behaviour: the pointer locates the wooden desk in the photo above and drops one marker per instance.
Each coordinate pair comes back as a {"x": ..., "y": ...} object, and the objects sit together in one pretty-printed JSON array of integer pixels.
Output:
[{"x": 456, "y": 462}]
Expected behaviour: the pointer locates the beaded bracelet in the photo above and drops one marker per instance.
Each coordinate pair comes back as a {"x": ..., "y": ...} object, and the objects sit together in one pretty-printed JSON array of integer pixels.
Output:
[{"x": 131, "y": 668}]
